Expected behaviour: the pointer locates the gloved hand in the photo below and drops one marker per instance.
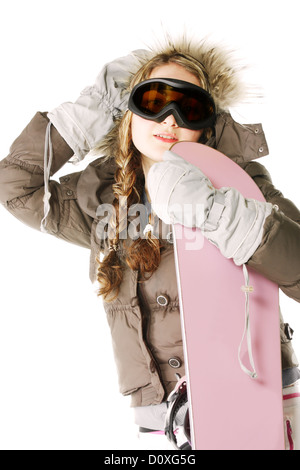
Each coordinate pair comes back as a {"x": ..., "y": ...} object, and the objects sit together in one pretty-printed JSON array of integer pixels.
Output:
[
  {"x": 181, "y": 193},
  {"x": 84, "y": 123}
]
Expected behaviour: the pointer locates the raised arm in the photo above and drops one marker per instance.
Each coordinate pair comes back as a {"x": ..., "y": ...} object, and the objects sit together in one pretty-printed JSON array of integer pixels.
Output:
[{"x": 22, "y": 184}]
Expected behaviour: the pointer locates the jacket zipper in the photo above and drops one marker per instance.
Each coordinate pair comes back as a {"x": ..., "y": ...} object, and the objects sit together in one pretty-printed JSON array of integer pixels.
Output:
[{"x": 145, "y": 322}]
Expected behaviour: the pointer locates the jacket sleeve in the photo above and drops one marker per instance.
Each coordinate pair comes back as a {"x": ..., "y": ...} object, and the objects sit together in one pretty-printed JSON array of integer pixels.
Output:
[
  {"x": 278, "y": 256},
  {"x": 22, "y": 184}
]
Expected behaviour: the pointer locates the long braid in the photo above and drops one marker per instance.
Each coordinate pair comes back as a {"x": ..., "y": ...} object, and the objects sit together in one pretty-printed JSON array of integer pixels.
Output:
[{"x": 143, "y": 254}]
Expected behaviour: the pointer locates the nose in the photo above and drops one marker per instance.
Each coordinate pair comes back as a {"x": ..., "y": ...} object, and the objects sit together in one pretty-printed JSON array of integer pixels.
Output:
[{"x": 170, "y": 121}]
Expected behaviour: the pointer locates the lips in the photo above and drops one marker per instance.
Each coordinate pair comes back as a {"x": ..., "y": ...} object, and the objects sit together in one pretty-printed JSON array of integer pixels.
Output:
[{"x": 169, "y": 138}]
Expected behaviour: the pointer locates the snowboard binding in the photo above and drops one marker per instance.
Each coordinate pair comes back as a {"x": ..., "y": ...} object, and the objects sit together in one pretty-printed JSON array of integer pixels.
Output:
[{"x": 176, "y": 401}]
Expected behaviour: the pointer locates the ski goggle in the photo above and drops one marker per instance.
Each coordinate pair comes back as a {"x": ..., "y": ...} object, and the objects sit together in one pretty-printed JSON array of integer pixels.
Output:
[{"x": 191, "y": 105}]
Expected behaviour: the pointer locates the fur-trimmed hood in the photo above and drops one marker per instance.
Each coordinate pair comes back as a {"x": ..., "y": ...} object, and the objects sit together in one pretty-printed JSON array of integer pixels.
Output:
[{"x": 224, "y": 71}]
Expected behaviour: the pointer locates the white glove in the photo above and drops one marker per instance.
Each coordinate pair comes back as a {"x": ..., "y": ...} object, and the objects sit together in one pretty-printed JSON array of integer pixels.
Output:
[
  {"x": 84, "y": 123},
  {"x": 181, "y": 193}
]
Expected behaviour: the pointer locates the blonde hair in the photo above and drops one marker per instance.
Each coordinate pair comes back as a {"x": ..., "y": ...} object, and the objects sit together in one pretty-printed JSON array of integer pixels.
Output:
[{"x": 143, "y": 254}]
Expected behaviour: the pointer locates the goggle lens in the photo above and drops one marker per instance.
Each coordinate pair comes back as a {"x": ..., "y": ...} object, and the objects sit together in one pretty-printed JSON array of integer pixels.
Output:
[
  {"x": 154, "y": 100},
  {"x": 150, "y": 98}
]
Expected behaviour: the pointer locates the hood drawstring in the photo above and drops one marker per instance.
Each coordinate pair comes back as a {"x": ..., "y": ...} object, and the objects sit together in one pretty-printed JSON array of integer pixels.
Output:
[
  {"x": 247, "y": 330},
  {"x": 48, "y": 157}
]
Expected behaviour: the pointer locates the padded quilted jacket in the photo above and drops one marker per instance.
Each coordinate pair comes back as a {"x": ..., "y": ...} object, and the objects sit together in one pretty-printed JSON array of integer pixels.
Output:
[{"x": 144, "y": 318}]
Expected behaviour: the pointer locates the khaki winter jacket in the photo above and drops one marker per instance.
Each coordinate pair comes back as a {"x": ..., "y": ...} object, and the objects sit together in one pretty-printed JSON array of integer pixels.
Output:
[{"x": 144, "y": 319}]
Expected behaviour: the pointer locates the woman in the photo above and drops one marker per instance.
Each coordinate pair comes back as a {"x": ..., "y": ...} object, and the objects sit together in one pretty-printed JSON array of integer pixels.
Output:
[{"x": 137, "y": 275}]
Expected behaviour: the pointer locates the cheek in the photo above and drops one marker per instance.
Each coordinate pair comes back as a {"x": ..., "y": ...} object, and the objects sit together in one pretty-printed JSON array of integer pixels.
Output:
[
  {"x": 139, "y": 130},
  {"x": 192, "y": 136},
  {"x": 134, "y": 130}
]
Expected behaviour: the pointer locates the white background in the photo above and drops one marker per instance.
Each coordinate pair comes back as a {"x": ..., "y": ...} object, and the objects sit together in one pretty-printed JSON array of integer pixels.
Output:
[{"x": 58, "y": 385}]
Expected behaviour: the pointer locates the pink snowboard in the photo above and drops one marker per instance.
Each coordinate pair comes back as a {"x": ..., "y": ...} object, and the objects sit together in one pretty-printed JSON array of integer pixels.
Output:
[{"x": 228, "y": 409}]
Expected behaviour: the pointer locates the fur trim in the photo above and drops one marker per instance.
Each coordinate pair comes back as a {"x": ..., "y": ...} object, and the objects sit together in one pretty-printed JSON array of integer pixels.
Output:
[
  {"x": 224, "y": 72},
  {"x": 108, "y": 146},
  {"x": 223, "y": 69}
]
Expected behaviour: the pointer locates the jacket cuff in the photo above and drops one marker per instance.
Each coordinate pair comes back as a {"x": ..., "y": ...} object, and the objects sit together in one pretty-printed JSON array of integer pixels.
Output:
[
  {"x": 277, "y": 257},
  {"x": 28, "y": 148}
]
